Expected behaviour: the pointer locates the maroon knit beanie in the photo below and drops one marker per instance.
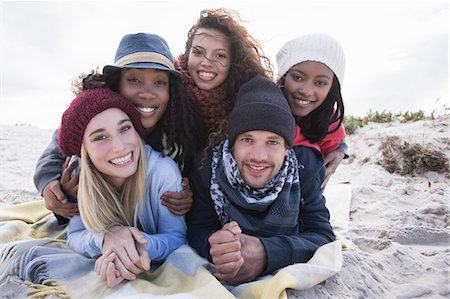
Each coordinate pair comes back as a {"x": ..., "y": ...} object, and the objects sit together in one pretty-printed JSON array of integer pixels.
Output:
[{"x": 83, "y": 108}]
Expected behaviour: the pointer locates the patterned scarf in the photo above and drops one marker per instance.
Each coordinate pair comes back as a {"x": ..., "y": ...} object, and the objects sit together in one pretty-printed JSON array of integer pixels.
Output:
[
  {"x": 211, "y": 104},
  {"x": 279, "y": 199}
]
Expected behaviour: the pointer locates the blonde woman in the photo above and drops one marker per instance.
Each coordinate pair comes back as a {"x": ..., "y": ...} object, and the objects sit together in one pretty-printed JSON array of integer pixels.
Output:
[{"x": 121, "y": 182}]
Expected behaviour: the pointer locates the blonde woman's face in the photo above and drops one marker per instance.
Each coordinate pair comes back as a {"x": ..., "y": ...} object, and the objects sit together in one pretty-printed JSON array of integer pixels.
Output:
[
  {"x": 209, "y": 58},
  {"x": 113, "y": 145},
  {"x": 148, "y": 90},
  {"x": 306, "y": 86}
]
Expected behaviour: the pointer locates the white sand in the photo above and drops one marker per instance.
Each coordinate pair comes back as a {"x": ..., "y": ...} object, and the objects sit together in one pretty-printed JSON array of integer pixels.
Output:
[{"x": 399, "y": 225}]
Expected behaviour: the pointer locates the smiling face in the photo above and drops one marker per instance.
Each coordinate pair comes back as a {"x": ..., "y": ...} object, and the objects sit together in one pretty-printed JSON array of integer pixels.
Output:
[
  {"x": 259, "y": 156},
  {"x": 306, "y": 86},
  {"x": 209, "y": 58},
  {"x": 113, "y": 145},
  {"x": 148, "y": 90}
]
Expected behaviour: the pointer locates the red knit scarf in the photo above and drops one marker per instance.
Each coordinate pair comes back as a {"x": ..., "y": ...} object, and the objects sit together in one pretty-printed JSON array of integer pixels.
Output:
[{"x": 211, "y": 104}]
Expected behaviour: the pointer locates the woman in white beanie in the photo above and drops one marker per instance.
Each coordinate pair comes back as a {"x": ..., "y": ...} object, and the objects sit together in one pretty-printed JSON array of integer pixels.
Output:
[{"x": 310, "y": 73}]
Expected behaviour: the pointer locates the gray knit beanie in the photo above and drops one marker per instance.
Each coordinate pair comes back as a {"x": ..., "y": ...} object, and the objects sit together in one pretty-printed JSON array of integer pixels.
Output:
[
  {"x": 260, "y": 105},
  {"x": 312, "y": 47}
]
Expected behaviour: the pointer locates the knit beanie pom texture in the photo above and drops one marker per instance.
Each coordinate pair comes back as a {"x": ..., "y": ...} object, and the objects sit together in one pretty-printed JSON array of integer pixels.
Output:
[
  {"x": 260, "y": 105},
  {"x": 312, "y": 47},
  {"x": 83, "y": 108}
]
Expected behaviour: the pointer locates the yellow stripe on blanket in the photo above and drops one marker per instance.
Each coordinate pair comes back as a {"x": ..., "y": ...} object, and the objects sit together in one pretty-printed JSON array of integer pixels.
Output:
[
  {"x": 338, "y": 195},
  {"x": 274, "y": 287},
  {"x": 325, "y": 263},
  {"x": 29, "y": 220},
  {"x": 29, "y": 212}
]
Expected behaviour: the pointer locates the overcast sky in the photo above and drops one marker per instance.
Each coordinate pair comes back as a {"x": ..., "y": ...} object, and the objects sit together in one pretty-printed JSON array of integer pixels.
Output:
[{"x": 397, "y": 51}]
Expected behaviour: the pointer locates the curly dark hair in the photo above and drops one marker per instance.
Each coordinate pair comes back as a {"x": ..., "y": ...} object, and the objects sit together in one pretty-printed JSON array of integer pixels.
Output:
[
  {"x": 315, "y": 125},
  {"x": 88, "y": 81},
  {"x": 180, "y": 122},
  {"x": 247, "y": 57}
]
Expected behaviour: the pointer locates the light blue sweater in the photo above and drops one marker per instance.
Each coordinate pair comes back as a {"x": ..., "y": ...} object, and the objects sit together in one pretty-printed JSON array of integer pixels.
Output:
[{"x": 163, "y": 230}]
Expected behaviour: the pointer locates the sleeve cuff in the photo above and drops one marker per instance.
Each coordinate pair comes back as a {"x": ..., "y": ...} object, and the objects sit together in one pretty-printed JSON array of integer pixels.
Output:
[{"x": 98, "y": 241}]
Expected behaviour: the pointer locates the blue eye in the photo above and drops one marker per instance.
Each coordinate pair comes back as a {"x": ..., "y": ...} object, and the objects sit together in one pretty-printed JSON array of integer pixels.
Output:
[
  {"x": 125, "y": 128},
  {"x": 99, "y": 137}
]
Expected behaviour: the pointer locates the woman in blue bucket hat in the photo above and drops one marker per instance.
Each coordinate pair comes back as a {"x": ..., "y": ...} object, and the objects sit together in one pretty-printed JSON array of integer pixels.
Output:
[
  {"x": 143, "y": 72},
  {"x": 146, "y": 57}
]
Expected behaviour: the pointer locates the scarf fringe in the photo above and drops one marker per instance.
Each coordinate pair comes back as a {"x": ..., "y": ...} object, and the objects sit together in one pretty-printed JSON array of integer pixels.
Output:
[
  {"x": 46, "y": 288},
  {"x": 10, "y": 255}
]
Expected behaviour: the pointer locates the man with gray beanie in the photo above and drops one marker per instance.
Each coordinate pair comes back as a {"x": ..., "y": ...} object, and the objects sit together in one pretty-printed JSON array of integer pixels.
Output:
[{"x": 257, "y": 202}]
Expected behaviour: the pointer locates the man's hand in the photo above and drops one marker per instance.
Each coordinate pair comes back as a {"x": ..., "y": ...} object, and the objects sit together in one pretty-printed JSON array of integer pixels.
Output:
[
  {"x": 179, "y": 203},
  {"x": 56, "y": 201},
  {"x": 69, "y": 182},
  {"x": 128, "y": 244},
  {"x": 332, "y": 161},
  {"x": 238, "y": 257},
  {"x": 226, "y": 251},
  {"x": 255, "y": 259}
]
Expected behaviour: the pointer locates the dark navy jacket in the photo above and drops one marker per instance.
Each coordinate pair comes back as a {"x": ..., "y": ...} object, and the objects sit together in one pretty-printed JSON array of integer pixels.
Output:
[{"x": 282, "y": 250}]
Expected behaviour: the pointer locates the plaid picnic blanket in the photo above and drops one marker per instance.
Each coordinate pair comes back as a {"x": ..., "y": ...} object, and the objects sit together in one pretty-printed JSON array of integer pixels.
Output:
[{"x": 32, "y": 246}]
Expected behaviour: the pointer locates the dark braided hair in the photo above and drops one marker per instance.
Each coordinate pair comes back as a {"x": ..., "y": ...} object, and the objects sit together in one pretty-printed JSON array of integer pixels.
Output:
[
  {"x": 180, "y": 122},
  {"x": 247, "y": 57},
  {"x": 315, "y": 125}
]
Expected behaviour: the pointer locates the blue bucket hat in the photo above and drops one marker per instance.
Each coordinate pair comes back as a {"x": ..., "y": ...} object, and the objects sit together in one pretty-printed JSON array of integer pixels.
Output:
[{"x": 145, "y": 51}]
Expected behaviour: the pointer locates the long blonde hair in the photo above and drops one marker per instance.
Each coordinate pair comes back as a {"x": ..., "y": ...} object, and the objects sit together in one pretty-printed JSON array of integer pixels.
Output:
[{"x": 102, "y": 205}]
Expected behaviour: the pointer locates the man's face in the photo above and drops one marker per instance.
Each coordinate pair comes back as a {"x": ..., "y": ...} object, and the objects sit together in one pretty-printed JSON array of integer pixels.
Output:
[{"x": 259, "y": 156}]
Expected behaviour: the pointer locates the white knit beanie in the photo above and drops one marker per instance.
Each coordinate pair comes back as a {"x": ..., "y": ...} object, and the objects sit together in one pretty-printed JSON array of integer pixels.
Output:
[{"x": 312, "y": 47}]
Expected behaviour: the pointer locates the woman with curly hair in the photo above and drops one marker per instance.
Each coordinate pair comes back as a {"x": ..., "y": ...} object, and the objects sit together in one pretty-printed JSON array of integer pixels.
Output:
[{"x": 220, "y": 55}]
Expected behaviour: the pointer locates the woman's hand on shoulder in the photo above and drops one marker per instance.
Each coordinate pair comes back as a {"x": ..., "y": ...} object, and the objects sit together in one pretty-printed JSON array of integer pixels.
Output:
[{"x": 179, "y": 203}]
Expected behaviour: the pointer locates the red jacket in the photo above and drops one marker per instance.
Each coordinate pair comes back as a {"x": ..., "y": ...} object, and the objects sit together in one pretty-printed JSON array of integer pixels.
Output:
[{"x": 328, "y": 144}]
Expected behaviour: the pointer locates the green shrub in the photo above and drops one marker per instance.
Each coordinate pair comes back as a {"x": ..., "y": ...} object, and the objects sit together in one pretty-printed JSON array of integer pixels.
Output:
[
  {"x": 351, "y": 123},
  {"x": 413, "y": 116},
  {"x": 380, "y": 117}
]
